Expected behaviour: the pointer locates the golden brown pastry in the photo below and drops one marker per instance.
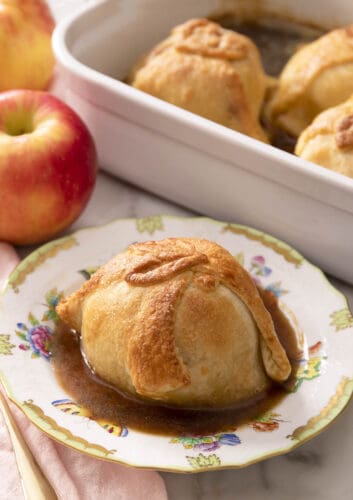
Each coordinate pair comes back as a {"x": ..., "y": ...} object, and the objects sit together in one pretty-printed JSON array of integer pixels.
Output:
[
  {"x": 178, "y": 321},
  {"x": 317, "y": 77},
  {"x": 208, "y": 70},
  {"x": 328, "y": 141}
]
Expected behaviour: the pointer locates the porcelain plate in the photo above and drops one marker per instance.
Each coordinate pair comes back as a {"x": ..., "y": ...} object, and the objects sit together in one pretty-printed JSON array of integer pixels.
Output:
[{"x": 322, "y": 389}]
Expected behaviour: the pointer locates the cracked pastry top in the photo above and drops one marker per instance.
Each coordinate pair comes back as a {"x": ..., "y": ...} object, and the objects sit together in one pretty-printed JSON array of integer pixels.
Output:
[
  {"x": 213, "y": 72},
  {"x": 180, "y": 322},
  {"x": 317, "y": 77},
  {"x": 328, "y": 141}
]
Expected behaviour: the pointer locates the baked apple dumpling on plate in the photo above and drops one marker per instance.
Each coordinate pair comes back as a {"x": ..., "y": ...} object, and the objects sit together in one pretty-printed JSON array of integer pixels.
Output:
[{"x": 179, "y": 322}]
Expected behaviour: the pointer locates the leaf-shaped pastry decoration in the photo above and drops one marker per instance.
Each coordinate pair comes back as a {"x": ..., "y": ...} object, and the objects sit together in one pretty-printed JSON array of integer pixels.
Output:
[
  {"x": 209, "y": 41},
  {"x": 157, "y": 270}
]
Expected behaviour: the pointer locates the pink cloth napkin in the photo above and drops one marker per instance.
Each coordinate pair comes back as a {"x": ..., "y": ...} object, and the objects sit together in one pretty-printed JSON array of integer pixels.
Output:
[{"x": 73, "y": 475}]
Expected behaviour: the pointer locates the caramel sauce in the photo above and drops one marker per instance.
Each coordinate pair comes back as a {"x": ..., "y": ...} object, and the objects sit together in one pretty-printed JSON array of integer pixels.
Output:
[{"x": 106, "y": 402}]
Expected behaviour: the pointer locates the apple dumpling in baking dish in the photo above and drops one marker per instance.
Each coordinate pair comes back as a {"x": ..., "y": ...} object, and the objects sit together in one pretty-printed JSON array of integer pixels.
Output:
[
  {"x": 179, "y": 322},
  {"x": 328, "y": 140},
  {"x": 213, "y": 72},
  {"x": 316, "y": 77}
]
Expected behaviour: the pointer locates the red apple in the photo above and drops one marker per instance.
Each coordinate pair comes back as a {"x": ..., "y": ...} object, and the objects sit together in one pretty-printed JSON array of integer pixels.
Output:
[
  {"x": 48, "y": 166},
  {"x": 26, "y": 56}
]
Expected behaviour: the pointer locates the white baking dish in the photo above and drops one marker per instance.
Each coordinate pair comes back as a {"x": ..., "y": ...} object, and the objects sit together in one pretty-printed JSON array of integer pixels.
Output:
[{"x": 186, "y": 158}]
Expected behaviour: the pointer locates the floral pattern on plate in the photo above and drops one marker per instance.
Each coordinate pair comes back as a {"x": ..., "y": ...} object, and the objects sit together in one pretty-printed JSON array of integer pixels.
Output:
[
  {"x": 207, "y": 443},
  {"x": 268, "y": 422},
  {"x": 36, "y": 336},
  {"x": 310, "y": 368},
  {"x": 71, "y": 408}
]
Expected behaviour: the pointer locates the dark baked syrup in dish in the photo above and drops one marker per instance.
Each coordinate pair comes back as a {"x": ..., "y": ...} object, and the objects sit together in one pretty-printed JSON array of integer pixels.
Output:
[{"x": 105, "y": 402}]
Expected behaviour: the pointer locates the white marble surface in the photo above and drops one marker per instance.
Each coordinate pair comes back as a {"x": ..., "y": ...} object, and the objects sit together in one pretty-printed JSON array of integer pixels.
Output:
[{"x": 320, "y": 469}]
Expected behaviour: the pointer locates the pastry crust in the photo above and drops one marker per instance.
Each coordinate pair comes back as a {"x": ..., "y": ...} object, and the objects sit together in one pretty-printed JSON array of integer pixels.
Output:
[
  {"x": 317, "y": 77},
  {"x": 328, "y": 141},
  {"x": 210, "y": 71},
  {"x": 180, "y": 321}
]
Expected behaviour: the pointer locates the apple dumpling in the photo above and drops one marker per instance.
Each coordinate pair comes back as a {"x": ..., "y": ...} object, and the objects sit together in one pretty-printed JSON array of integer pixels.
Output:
[
  {"x": 210, "y": 71},
  {"x": 179, "y": 322},
  {"x": 328, "y": 141},
  {"x": 317, "y": 77}
]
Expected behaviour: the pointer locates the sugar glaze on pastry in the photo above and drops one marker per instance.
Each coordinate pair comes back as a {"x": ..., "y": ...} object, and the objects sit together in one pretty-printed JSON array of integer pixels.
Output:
[{"x": 178, "y": 321}]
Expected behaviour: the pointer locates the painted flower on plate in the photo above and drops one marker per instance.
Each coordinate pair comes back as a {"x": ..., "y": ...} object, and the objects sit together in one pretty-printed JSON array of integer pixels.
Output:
[
  {"x": 207, "y": 443},
  {"x": 39, "y": 339},
  {"x": 258, "y": 266},
  {"x": 36, "y": 337},
  {"x": 268, "y": 422}
]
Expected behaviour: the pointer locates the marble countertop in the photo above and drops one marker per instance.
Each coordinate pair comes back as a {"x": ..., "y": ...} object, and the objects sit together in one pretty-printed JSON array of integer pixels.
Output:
[{"x": 320, "y": 469}]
